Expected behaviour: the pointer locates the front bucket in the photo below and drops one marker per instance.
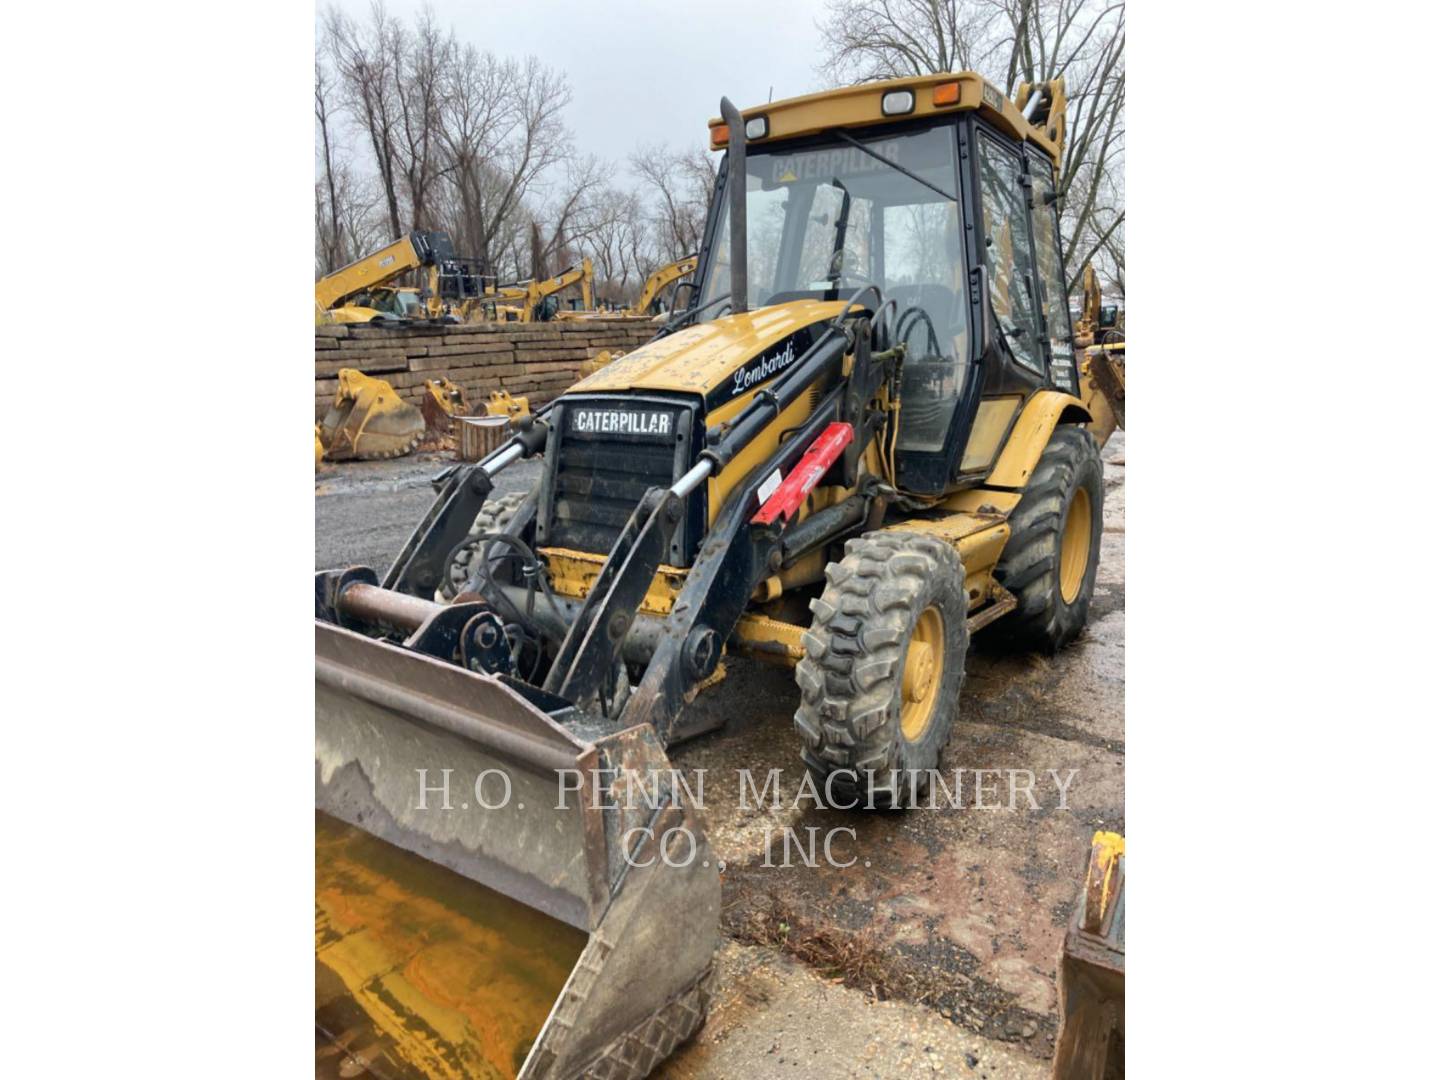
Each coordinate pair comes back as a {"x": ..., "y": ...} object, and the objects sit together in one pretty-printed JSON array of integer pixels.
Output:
[{"x": 566, "y": 927}]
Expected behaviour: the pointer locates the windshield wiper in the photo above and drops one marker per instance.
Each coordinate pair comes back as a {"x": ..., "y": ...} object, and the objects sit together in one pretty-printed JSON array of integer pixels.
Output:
[{"x": 893, "y": 164}]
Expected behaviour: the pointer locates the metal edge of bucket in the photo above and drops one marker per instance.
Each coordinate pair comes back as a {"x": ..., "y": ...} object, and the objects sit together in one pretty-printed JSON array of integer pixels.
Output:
[{"x": 644, "y": 981}]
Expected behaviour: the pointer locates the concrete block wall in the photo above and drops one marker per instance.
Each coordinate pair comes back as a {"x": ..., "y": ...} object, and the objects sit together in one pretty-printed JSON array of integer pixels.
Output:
[{"x": 535, "y": 359}]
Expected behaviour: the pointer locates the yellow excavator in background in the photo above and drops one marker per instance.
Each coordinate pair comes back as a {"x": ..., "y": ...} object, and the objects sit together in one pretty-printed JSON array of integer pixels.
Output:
[
  {"x": 864, "y": 440},
  {"x": 530, "y": 301},
  {"x": 649, "y": 303},
  {"x": 1100, "y": 332},
  {"x": 366, "y": 291},
  {"x": 658, "y": 282}
]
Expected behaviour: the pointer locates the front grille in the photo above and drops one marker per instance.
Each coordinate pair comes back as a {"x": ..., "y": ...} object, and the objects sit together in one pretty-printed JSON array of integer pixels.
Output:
[
  {"x": 596, "y": 478},
  {"x": 597, "y": 487}
]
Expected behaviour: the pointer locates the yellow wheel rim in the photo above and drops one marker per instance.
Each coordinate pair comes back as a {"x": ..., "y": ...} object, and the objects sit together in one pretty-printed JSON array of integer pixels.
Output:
[
  {"x": 924, "y": 669},
  {"x": 1075, "y": 546}
]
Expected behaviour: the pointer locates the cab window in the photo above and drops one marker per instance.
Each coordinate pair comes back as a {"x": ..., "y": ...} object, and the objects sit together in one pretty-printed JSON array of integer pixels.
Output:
[
  {"x": 829, "y": 219},
  {"x": 1009, "y": 259},
  {"x": 1054, "y": 302}
]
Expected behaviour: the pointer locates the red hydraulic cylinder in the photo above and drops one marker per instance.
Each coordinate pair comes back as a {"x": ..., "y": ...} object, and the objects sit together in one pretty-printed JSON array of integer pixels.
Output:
[{"x": 785, "y": 501}]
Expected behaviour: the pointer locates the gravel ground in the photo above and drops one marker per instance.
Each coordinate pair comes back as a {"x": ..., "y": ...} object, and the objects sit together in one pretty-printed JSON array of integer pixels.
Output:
[
  {"x": 365, "y": 510},
  {"x": 935, "y": 950}
]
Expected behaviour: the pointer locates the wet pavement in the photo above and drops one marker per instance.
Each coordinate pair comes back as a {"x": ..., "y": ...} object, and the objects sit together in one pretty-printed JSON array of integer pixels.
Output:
[
  {"x": 365, "y": 510},
  {"x": 938, "y": 938}
]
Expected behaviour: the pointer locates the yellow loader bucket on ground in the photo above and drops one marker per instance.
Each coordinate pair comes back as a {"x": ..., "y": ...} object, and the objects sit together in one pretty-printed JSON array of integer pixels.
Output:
[
  {"x": 368, "y": 421},
  {"x": 564, "y": 928}
]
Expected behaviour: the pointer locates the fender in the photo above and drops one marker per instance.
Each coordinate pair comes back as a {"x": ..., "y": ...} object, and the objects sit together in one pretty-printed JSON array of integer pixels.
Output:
[{"x": 1045, "y": 410}]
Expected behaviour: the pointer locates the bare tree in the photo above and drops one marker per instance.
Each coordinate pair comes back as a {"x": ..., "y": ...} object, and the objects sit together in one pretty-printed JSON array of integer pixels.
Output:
[
  {"x": 502, "y": 131},
  {"x": 329, "y": 253},
  {"x": 364, "y": 59},
  {"x": 681, "y": 182},
  {"x": 473, "y": 143},
  {"x": 1010, "y": 42},
  {"x": 419, "y": 63}
]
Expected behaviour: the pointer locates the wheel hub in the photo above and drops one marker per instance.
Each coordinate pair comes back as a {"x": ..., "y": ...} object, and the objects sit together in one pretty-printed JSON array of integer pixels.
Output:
[
  {"x": 920, "y": 681},
  {"x": 1075, "y": 546}
]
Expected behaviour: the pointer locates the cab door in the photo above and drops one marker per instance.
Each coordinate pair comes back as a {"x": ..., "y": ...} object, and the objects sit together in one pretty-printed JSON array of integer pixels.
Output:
[
  {"x": 1050, "y": 272},
  {"x": 1009, "y": 256}
]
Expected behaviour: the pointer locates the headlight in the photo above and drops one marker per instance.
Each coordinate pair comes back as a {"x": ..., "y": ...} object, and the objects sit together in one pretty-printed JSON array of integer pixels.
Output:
[{"x": 898, "y": 102}]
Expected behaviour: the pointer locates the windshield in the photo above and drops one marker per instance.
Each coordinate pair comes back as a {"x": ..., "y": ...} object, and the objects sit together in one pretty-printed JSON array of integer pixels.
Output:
[{"x": 825, "y": 221}]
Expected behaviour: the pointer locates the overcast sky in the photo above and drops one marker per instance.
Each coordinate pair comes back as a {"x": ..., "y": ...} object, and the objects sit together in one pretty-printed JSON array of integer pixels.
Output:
[{"x": 643, "y": 70}]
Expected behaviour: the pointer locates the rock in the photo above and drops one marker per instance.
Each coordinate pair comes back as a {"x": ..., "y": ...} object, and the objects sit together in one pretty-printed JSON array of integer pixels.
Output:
[
  {"x": 971, "y": 1061},
  {"x": 1029, "y": 1030}
]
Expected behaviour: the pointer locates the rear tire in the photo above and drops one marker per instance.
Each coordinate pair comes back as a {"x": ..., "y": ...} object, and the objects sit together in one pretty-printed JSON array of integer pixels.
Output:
[
  {"x": 493, "y": 517},
  {"x": 871, "y": 702},
  {"x": 1051, "y": 559}
]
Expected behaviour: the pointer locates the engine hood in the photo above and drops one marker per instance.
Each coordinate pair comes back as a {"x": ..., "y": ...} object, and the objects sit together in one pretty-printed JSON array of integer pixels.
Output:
[{"x": 722, "y": 361}]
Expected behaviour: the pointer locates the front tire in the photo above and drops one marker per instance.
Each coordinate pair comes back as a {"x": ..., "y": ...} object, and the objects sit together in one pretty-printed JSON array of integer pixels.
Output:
[
  {"x": 493, "y": 517},
  {"x": 1053, "y": 554},
  {"x": 884, "y": 662}
]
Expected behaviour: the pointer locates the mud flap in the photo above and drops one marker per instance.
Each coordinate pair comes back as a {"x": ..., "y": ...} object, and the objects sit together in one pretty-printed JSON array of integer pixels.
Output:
[{"x": 597, "y": 836}]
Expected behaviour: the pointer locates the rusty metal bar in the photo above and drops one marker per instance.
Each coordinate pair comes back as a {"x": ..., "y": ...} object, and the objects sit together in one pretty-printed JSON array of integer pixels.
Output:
[{"x": 373, "y": 604}]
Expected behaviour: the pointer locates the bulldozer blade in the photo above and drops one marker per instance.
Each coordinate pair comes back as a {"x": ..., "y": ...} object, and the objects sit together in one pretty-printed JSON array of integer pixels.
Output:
[
  {"x": 497, "y": 895},
  {"x": 368, "y": 420}
]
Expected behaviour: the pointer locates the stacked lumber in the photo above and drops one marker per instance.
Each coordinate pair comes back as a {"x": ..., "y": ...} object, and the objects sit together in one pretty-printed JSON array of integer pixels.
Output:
[{"x": 535, "y": 359}]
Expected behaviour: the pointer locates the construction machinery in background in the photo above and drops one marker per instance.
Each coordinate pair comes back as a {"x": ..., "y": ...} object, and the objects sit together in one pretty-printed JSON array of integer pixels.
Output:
[
  {"x": 1099, "y": 323},
  {"x": 1100, "y": 332},
  {"x": 368, "y": 421},
  {"x": 652, "y": 294},
  {"x": 654, "y": 301},
  {"x": 531, "y": 301},
  {"x": 864, "y": 439},
  {"x": 1091, "y": 1043},
  {"x": 368, "y": 290}
]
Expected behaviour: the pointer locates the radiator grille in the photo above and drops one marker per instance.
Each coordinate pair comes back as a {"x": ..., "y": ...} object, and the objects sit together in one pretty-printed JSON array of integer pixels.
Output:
[
  {"x": 597, "y": 486},
  {"x": 600, "y": 477}
]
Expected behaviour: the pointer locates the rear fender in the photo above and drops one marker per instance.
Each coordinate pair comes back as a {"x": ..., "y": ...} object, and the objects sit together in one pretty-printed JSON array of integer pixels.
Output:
[{"x": 1042, "y": 414}]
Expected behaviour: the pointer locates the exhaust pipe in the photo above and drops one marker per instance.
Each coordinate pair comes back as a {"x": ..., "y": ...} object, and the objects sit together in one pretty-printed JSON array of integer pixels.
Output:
[{"x": 739, "y": 283}]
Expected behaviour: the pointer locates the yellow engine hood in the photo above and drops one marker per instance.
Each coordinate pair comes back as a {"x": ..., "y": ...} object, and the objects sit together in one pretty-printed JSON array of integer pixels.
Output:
[{"x": 706, "y": 358}]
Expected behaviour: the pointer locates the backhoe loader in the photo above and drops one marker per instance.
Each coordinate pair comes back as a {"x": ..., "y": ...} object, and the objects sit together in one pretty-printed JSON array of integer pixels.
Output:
[{"x": 863, "y": 440}]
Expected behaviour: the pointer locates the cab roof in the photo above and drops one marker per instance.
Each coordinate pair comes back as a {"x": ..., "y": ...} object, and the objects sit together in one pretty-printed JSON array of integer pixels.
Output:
[{"x": 859, "y": 106}]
